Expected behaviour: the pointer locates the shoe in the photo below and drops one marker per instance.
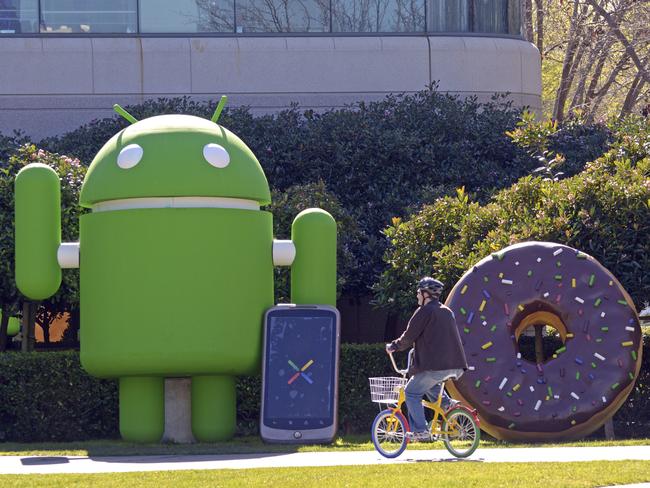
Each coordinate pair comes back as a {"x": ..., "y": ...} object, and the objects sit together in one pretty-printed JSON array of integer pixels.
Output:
[
  {"x": 452, "y": 404},
  {"x": 423, "y": 436}
]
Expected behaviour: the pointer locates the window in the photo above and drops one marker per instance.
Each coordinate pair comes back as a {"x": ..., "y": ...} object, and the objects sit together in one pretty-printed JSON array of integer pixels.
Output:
[
  {"x": 491, "y": 16},
  {"x": 378, "y": 16},
  {"x": 187, "y": 16},
  {"x": 18, "y": 16},
  {"x": 282, "y": 16},
  {"x": 88, "y": 16},
  {"x": 448, "y": 16}
]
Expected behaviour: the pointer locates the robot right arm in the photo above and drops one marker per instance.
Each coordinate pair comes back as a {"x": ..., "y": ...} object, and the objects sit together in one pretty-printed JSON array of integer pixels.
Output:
[{"x": 39, "y": 252}]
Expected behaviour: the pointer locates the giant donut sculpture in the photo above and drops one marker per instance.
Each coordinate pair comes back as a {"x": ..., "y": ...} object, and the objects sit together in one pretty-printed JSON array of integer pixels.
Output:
[{"x": 585, "y": 381}]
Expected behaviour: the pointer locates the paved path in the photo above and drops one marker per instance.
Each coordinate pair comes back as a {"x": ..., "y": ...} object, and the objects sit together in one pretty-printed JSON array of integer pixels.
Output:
[{"x": 81, "y": 464}]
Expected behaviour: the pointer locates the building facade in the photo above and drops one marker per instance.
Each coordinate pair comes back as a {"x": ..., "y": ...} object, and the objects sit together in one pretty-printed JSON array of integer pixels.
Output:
[{"x": 66, "y": 62}]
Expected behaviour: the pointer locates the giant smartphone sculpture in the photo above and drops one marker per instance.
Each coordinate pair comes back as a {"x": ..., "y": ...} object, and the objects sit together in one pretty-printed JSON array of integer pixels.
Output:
[{"x": 300, "y": 374}]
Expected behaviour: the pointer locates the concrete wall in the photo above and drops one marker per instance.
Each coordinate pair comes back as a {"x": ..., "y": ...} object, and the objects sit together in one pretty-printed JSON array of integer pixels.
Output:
[{"x": 51, "y": 85}]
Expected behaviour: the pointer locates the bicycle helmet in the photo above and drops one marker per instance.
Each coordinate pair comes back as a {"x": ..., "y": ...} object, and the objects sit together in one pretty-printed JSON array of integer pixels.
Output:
[{"x": 431, "y": 285}]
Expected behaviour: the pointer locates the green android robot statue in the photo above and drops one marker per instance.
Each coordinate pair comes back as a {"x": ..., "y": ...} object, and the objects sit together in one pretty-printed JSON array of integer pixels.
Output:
[{"x": 176, "y": 265}]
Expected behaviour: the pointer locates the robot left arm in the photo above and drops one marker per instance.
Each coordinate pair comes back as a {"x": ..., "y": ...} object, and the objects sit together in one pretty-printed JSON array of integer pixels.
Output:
[{"x": 39, "y": 252}]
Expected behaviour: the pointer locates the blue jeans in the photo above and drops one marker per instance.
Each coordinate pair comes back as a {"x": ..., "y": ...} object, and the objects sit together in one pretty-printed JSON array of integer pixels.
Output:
[{"x": 425, "y": 383}]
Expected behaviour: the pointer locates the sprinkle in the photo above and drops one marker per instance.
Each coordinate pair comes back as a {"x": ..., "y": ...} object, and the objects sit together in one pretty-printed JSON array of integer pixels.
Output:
[
  {"x": 573, "y": 282},
  {"x": 488, "y": 378},
  {"x": 569, "y": 335},
  {"x": 558, "y": 277},
  {"x": 539, "y": 260},
  {"x": 518, "y": 355},
  {"x": 540, "y": 381},
  {"x": 620, "y": 363},
  {"x": 573, "y": 422},
  {"x": 597, "y": 302},
  {"x": 490, "y": 360},
  {"x": 598, "y": 356},
  {"x": 593, "y": 365},
  {"x": 506, "y": 282},
  {"x": 599, "y": 340},
  {"x": 577, "y": 375},
  {"x": 530, "y": 272},
  {"x": 480, "y": 309},
  {"x": 561, "y": 350},
  {"x": 516, "y": 387},
  {"x": 633, "y": 354},
  {"x": 517, "y": 414},
  {"x": 511, "y": 426},
  {"x": 486, "y": 294},
  {"x": 463, "y": 290},
  {"x": 486, "y": 345},
  {"x": 470, "y": 317},
  {"x": 558, "y": 298},
  {"x": 579, "y": 361},
  {"x": 557, "y": 397},
  {"x": 478, "y": 383},
  {"x": 630, "y": 375},
  {"x": 493, "y": 328},
  {"x": 604, "y": 329},
  {"x": 611, "y": 282},
  {"x": 540, "y": 368},
  {"x": 557, "y": 252},
  {"x": 516, "y": 263},
  {"x": 602, "y": 315},
  {"x": 580, "y": 312},
  {"x": 574, "y": 408},
  {"x": 550, "y": 391},
  {"x": 538, "y": 404},
  {"x": 604, "y": 399},
  {"x": 500, "y": 275},
  {"x": 627, "y": 343},
  {"x": 630, "y": 329},
  {"x": 501, "y": 409},
  {"x": 558, "y": 264},
  {"x": 503, "y": 383},
  {"x": 581, "y": 255},
  {"x": 532, "y": 388},
  {"x": 579, "y": 300},
  {"x": 622, "y": 302},
  {"x": 506, "y": 309},
  {"x": 486, "y": 402},
  {"x": 463, "y": 311},
  {"x": 509, "y": 394},
  {"x": 614, "y": 386},
  {"x": 466, "y": 330},
  {"x": 521, "y": 308},
  {"x": 471, "y": 368},
  {"x": 546, "y": 295},
  {"x": 575, "y": 396},
  {"x": 484, "y": 323}
]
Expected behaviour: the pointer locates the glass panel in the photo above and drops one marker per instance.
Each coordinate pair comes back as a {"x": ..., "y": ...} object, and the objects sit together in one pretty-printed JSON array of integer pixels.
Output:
[
  {"x": 187, "y": 16},
  {"x": 18, "y": 16},
  {"x": 491, "y": 16},
  {"x": 378, "y": 16},
  {"x": 282, "y": 16},
  {"x": 88, "y": 16},
  {"x": 514, "y": 17},
  {"x": 448, "y": 16}
]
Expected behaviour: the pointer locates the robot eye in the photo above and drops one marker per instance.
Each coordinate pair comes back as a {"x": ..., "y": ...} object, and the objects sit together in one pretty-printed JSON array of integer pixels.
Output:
[
  {"x": 216, "y": 155},
  {"x": 129, "y": 156}
]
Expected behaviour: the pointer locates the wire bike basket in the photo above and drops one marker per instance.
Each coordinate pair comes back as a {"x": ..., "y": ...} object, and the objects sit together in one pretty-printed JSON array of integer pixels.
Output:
[{"x": 385, "y": 389}]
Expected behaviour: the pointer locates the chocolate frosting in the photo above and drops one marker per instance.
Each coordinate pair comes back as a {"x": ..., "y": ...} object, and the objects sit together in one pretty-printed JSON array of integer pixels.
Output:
[{"x": 601, "y": 353}]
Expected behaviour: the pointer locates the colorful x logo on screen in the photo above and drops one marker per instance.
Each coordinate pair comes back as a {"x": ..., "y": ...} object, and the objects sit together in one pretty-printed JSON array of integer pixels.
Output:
[{"x": 300, "y": 372}]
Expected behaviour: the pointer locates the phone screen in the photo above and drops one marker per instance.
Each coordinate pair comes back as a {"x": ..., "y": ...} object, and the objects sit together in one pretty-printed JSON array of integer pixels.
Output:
[{"x": 300, "y": 369}]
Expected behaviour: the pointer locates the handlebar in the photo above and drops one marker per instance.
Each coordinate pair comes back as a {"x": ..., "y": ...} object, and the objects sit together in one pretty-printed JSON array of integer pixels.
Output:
[{"x": 397, "y": 370}]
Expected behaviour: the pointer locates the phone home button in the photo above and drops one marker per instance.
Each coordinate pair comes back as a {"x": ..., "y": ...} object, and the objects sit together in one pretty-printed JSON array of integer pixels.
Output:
[{"x": 297, "y": 435}]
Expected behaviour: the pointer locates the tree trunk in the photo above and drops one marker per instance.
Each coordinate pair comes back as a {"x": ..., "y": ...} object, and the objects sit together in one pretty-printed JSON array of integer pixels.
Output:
[
  {"x": 528, "y": 20},
  {"x": 29, "y": 319},
  {"x": 539, "y": 344},
  {"x": 4, "y": 324},
  {"x": 539, "y": 7},
  {"x": 632, "y": 95},
  {"x": 567, "y": 65}
]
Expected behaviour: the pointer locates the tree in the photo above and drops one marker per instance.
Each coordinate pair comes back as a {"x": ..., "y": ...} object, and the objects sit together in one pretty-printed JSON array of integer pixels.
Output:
[{"x": 71, "y": 174}]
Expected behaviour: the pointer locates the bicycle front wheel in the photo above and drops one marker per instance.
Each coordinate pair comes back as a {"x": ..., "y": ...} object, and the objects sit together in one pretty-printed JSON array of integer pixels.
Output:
[
  {"x": 389, "y": 433},
  {"x": 462, "y": 434}
]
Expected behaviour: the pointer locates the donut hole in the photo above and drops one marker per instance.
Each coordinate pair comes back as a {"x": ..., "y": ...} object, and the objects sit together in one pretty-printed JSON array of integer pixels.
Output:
[{"x": 538, "y": 335}]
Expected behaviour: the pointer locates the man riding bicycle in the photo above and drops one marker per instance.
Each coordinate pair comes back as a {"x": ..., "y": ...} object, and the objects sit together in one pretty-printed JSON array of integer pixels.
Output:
[{"x": 437, "y": 353}]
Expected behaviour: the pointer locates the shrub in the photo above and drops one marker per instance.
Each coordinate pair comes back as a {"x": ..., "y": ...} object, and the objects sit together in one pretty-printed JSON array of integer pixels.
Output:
[
  {"x": 602, "y": 211},
  {"x": 46, "y": 396}
]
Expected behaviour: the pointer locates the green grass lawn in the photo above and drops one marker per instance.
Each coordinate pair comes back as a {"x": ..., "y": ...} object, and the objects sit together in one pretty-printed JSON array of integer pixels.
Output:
[
  {"x": 466, "y": 474},
  {"x": 245, "y": 445}
]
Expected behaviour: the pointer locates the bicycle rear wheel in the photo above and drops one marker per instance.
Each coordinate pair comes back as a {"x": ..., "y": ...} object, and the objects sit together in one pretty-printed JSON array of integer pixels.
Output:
[
  {"x": 464, "y": 435},
  {"x": 389, "y": 433}
]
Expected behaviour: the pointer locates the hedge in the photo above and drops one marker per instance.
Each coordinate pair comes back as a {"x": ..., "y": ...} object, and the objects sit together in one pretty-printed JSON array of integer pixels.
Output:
[{"x": 48, "y": 397}]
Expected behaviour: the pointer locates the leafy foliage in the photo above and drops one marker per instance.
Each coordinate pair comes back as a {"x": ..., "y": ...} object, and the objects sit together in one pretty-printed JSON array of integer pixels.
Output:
[{"x": 602, "y": 211}]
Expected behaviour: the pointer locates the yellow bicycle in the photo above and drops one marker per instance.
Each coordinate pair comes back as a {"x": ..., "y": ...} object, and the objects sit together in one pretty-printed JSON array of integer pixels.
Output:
[{"x": 457, "y": 427}]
